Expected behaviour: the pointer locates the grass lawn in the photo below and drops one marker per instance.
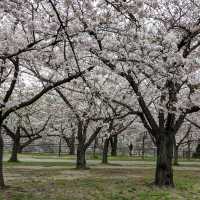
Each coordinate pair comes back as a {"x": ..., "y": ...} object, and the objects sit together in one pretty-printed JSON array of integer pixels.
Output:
[
  {"x": 47, "y": 156},
  {"x": 30, "y": 180}
]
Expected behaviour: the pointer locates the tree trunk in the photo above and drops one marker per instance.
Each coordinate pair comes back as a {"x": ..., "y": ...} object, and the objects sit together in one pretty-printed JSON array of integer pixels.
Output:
[
  {"x": 143, "y": 146},
  {"x": 130, "y": 147},
  {"x": 15, "y": 150},
  {"x": 81, "y": 161},
  {"x": 60, "y": 147},
  {"x": 72, "y": 145},
  {"x": 2, "y": 184},
  {"x": 94, "y": 147},
  {"x": 72, "y": 149},
  {"x": 113, "y": 142},
  {"x": 164, "y": 171},
  {"x": 189, "y": 151},
  {"x": 130, "y": 153},
  {"x": 176, "y": 155},
  {"x": 105, "y": 151}
]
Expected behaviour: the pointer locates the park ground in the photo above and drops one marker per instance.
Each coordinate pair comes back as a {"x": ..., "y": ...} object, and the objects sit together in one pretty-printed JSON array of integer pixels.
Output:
[{"x": 48, "y": 177}]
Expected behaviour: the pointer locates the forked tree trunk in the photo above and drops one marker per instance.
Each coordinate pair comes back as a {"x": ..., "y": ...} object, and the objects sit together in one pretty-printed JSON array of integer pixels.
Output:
[
  {"x": 15, "y": 150},
  {"x": 105, "y": 151},
  {"x": 81, "y": 161},
  {"x": 164, "y": 171},
  {"x": 83, "y": 144},
  {"x": 113, "y": 142},
  {"x": 2, "y": 184}
]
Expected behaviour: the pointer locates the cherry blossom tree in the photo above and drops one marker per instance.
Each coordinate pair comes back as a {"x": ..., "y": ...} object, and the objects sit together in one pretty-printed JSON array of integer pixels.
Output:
[
  {"x": 146, "y": 54},
  {"x": 62, "y": 125},
  {"x": 155, "y": 49},
  {"x": 34, "y": 46},
  {"x": 115, "y": 128},
  {"x": 23, "y": 129}
]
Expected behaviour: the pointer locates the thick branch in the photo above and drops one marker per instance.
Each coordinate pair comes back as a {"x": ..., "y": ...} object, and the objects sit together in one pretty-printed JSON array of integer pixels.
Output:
[
  {"x": 44, "y": 91},
  {"x": 14, "y": 80}
]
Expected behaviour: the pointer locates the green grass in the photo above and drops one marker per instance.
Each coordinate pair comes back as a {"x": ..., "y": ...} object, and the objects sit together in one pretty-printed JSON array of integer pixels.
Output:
[
  {"x": 42, "y": 156},
  {"x": 104, "y": 183},
  {"x": 40, "y": 179},
  {"x": 121, "y": 158},
  {"x": 90, "y": 156},
  {"x": 41, "y": 164}
]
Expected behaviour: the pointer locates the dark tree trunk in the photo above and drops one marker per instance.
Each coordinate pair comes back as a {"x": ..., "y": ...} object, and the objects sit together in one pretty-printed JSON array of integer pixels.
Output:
[
  {"x": 176, "y": 148},
  {"x": 105, "y": 151},
  {"x": 164, "y": 171},
  {"x": 72, "y": 145},
  {"x": 113, "y": 142},
  {"x": 143, "y": 146},
  {"x": 130, "y": 147},
  {"x": 81, "y": 161},
  {"x": 60, "y": 147},
  {"x": 15, "y": 150},
  {"x": 2, "y": 184},
  {"x": 94, "y": 147},
  {"x": 83, "y": 144},
  {"x": 176, "y": 155},
  {"x": 72, "y": 149},
  {"x": 189, "y": 151}
]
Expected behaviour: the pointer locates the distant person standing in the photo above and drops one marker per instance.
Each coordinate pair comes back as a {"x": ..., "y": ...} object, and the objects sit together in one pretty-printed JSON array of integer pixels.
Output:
[{"x": 130, "y": 146}]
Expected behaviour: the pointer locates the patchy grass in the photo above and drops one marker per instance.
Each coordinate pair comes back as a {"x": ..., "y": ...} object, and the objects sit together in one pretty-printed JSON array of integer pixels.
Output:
[
  {"x": 41, "y": 156},
  {"x": 39, "y": 164},
  {"x": 121, "y": 158},
  {"x": 45, "y": 182},
  {"x": 89, "y": 156}
]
